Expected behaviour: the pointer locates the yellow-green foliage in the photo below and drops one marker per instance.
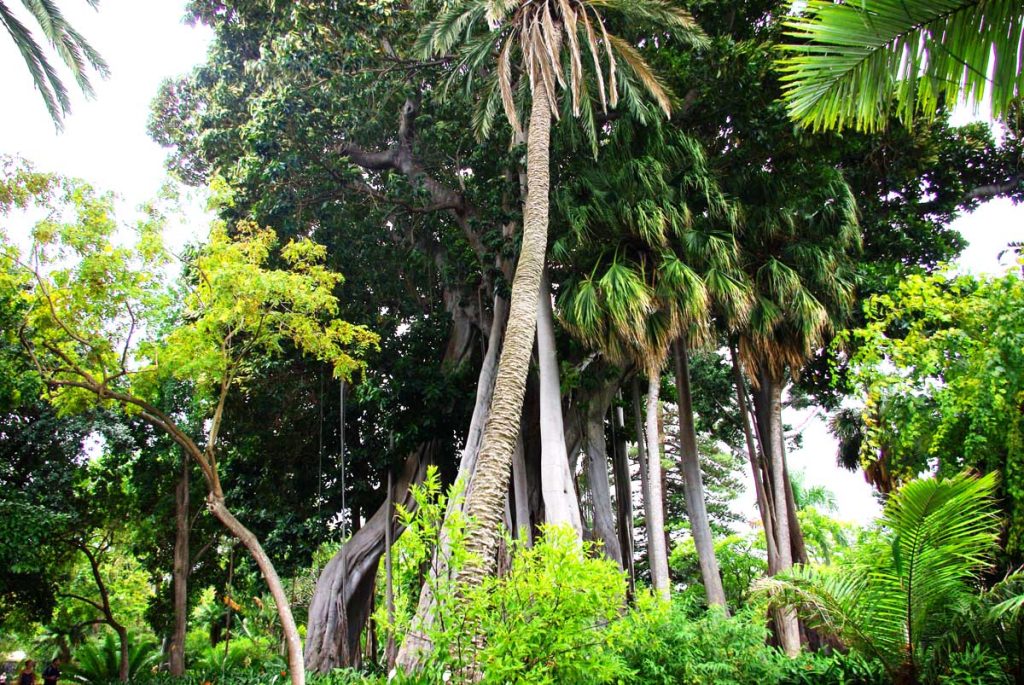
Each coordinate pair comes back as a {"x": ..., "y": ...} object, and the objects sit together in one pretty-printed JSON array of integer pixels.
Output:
[{"x": 102, "y": 322}]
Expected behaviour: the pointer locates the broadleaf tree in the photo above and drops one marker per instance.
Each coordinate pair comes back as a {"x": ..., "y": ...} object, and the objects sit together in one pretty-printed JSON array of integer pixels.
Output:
[{"x": 100, "y": 327}]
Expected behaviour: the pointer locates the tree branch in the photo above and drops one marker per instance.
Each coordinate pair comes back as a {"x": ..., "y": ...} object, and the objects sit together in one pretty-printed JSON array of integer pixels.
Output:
[{"x": 985, "y": 192}]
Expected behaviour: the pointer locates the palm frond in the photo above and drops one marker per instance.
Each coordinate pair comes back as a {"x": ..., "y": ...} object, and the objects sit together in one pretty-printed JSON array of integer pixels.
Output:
[
  {"x": 45, "y": 77},
  {"x": 452, "y": 25},
  {"x": 848, "y": 61},
  {"x": 651, "y": 82}
]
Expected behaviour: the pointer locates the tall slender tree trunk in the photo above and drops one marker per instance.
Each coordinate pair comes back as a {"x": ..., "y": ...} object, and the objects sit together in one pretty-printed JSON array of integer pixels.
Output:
[
  {"x": 597, "y": 475},
  {"x": 390, "y": 648},
  {"x": 417, "y": 643},
  {"x": 756, "y": 472},
  {"x": 520, "y": 492},
  {"x": 656, "y": 547},
  {"x": 693, "y": 481},
  {"x": 485, "y": 502},
  {"x": 560, "y": 503},
  {"x": 789, "y": 632},
  {"x": 180, "y": 572},
  {"x": 623, "y": 495},
  {"x": 296, "y": 667},
  {"x": 796, "y": 535},
  {"x": 641, "y": 444}
]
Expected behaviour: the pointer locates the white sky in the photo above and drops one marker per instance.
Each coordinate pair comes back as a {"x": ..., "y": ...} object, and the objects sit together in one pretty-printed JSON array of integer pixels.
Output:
[{"x": 105, "y": 142}]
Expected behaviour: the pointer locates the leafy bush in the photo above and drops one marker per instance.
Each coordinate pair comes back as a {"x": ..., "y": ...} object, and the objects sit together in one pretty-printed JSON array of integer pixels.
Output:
[
  {"x": 976, "y": 665},
  {"x": 553, "y": 617},
  {"x": 242, "y": 654},
  {"x": 832, "y": 669},
  {"x": 668, "y": 645},
  {"x": 897, "y": 599}
]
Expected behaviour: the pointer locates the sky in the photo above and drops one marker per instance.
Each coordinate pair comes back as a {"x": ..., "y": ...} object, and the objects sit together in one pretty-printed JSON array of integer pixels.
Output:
[{"x": 105, "y": 142}]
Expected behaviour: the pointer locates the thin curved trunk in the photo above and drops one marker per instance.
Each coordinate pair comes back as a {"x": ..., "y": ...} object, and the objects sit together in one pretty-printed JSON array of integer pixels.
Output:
[
  {"x": 292, "y": 640},
  {"x": 122, "y": 667},
  {"x": 485, "y": 503},
  {"x": 390, "y": 649},
  {"x": 180, "y": 572},
  {"x": 560, "y": 503},
  {"x": 656, "y": 548},
  {"x": 693, "y": 481}
]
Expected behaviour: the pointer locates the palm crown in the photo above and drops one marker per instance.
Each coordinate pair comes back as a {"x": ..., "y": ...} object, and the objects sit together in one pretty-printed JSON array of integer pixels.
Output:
[{"x": 528, "y": 35}]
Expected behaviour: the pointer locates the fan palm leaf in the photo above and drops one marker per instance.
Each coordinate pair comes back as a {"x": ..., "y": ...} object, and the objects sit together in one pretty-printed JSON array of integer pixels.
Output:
[
  {"x": 72, "y": 48},
  {"x": 849, "y": 61}
]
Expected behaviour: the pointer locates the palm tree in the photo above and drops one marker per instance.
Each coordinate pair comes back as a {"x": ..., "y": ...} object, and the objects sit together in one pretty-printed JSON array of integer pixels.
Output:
[
  {"x": 662, "y": 267},
  {"x": 849, "y": 62},
  {"x": 797, "y": 243},
  {"x": 72, "y": 48},
  {"x": 529, "y": 36},
  {"x": 896, "y": 602}
]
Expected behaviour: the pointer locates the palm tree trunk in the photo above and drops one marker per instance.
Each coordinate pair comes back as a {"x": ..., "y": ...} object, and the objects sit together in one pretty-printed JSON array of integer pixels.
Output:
[
  {"x": 485, "y": 503},
  {"x": 796, "y": 535},
  {"x": 292, "y": 640},
  {"x": 656, "y": 552},
  {"x": 417, "y": 644},
  {"x": 597, "y": 476},
  {"x": 789, "y": 632},
  {"x": 641, "y": 443},
  {"x": 693, "y": 482},
  {"x": 560, "y": 504},
  {"x": 180, "y": 572},
  {"x": 755, "y": 461},
  {"x": 520, "y": 491},
  {"x": 623, "y": 495}
]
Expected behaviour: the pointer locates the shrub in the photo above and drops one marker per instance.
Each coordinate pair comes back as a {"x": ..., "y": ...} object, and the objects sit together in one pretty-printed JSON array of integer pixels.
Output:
[{"x": 669, "y": 645}]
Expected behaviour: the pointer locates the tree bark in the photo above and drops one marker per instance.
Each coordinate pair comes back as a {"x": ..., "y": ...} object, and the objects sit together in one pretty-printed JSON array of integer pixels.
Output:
[
  {"x": 763, "y": 506},
  {"x": 284, "y": 611},
  {"x": 597, "y": 474},
  {"x": 484, "y": 505},
  {"x": 180, "y": 573},
  {"x": 360, "y": 557},
  {"x": 656, "y": 548},
  {"x": 417, "y": 643},
  {"x": 641, "y": 448},
  {"x": 796, "y": 535},
  {"x": 520, "y": 492},
  {"x": 623, "y": 495},
  {"x": 789, "y": 633},
  {"x": 560, "y": 503},
  {"x": 693, "y": 482},
  {"x": 390, "y": 649}
]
